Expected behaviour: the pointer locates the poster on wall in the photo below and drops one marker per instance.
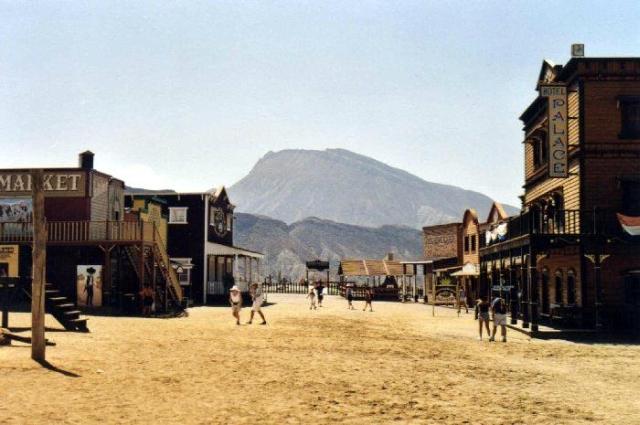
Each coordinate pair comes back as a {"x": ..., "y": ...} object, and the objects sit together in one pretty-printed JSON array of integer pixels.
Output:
[
  {"x": 89, "y": 286},
  {"x": 9, "y": 260},
  {"x": 15, "y": 210}
]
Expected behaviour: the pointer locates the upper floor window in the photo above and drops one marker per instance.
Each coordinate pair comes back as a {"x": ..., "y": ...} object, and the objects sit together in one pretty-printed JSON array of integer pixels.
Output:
[
  {"x": 178, "y": 215},
  {"x": 540, "y": 149},
  {"x": 466, "y": 244},
  {"x": 473, "y": 243},
  {"x": 630, "y": 114}
]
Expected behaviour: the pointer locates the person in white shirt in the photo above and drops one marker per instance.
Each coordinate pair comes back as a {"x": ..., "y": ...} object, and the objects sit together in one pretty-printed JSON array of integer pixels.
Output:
[
  {"x": 311, "y": 294},
  {"x": 235, "y": 299},
  {"x": 256, "y": 294}
]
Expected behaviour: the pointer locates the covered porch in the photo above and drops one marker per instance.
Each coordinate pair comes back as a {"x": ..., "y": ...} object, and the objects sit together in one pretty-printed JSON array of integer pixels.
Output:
[{"x": 229, "y": 265}]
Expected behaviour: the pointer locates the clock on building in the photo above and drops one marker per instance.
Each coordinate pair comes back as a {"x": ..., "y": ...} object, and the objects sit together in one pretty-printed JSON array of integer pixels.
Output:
[{"x": 219, "y": 222}]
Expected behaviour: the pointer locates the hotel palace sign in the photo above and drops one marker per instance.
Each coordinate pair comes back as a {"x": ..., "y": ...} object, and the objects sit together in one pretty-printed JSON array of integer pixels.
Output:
[
  {"x": 557, "y": 109},
  {"x": 56, "y": 183}
]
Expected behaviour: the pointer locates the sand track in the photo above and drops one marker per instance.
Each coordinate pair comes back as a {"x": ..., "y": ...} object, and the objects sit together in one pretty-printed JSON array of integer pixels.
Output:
[{"x": 397, "y": 364}]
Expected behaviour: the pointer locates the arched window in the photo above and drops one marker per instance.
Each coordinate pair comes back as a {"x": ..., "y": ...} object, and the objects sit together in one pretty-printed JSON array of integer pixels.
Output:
[
  {"x": 558, "y": 286},
  {"x": 571, "y": 287}
]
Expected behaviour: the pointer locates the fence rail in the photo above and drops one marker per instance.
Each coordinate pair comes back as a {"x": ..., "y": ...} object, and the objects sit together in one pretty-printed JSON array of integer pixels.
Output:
[{"x": 80, "y": 231}]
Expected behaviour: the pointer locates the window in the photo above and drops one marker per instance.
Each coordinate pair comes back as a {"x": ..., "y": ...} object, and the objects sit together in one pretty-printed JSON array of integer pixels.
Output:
[
  {"x": 539, "y": 148},
  {"x": 473, "y": 243},
  {"x": 184, "y": 277},
  {"x": 466, "y": 244},
  {"x": 558, "y": 288},
  {"x": 571, "y": 287},
  {"x": 178, "y": 215},
  {"x": 630, "y": 114},
  {"x": 229, "y": 221}
]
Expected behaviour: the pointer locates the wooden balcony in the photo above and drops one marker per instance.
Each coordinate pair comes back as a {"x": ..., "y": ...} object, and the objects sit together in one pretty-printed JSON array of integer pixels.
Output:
[
  {"x": 567, "y": 225},
  {"x": 81, "y": 232}
]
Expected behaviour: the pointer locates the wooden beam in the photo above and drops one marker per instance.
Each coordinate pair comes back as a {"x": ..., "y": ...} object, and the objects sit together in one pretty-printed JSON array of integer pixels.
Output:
[{"x": 38, "y": 342}]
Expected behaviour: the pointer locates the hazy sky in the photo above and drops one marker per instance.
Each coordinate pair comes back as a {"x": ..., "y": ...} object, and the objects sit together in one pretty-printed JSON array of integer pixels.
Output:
[{"x": 189, "y": 95}]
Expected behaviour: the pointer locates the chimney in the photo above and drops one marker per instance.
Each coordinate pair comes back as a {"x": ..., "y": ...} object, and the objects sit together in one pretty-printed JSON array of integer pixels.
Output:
[
  {"x": 85, "y": 160},
  {"x": 389, "y": 256}
]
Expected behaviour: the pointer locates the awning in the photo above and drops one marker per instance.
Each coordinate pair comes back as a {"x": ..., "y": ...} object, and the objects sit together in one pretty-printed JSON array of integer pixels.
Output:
[
  {"x": 468, "y": 269},
  {"x": 631, "y": 225},
  {"x": 219, "y": 249}
]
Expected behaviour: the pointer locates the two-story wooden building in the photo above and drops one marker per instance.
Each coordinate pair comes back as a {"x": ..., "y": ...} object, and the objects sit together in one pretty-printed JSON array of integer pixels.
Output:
[
  {"x": 568, "y": 257},
  {"x": 200, "y": 243},
  {"x": 94, "y": 257}
]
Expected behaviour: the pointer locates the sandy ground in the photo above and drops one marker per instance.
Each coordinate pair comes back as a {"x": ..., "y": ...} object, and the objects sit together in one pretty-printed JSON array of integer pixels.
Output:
[{"x": 397, "y": 364}]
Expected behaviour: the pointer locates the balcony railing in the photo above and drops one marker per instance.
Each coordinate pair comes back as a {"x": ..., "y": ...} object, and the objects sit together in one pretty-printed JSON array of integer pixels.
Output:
[
  {"x": 80, "y": 231},
  {"x": 595, "y": 222}
]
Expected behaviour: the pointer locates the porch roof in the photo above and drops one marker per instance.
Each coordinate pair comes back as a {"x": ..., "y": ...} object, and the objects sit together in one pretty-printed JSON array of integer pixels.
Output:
[{"x": 219, "y": 249}]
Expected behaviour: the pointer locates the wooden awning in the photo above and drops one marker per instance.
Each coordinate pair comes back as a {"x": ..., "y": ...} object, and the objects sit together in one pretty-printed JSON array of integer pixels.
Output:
[{"x": 372, "y": 268}]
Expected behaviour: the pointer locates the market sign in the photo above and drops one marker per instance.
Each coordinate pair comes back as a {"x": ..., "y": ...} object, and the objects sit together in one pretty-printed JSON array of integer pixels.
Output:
[
  {"x": 57, "y": 183},
  {"x": 558, "y": 148}
]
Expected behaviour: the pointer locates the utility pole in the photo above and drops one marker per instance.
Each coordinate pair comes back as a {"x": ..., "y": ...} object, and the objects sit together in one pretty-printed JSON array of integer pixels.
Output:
[{"x": 38, "y": 268}]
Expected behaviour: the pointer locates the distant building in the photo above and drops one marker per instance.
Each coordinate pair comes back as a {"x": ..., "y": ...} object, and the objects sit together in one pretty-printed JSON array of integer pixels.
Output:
[
  {"x": 200, "y": 242},
  {"x": 572, "y": 257}
]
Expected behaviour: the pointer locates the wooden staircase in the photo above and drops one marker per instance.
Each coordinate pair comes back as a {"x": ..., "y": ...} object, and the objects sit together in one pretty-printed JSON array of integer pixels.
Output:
[
  {"x": 155, "y": 255},
  {"x": 62, "y": 309}
]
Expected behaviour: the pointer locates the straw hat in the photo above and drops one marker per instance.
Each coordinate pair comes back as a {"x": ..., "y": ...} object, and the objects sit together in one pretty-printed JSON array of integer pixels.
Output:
[{"x": 235, "y": 288}]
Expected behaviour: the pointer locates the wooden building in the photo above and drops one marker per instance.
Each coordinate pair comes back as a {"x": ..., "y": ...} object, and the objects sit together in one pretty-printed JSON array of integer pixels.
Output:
[
  {"x": 86, "y": 230},
  {"x": 454, "y": 249},
  {"x": 200, "y": 243},
  {"x": 567, "y": 257}
]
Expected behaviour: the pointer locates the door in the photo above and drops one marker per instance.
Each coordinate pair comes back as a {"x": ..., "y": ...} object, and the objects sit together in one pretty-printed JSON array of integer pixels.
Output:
[
  {"x": 545, "y": 291},
  {"x": 632, "y": 300}
]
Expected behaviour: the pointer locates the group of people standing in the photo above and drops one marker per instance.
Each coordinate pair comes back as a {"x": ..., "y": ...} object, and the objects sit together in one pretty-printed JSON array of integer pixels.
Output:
[{"x": 368, "y": 297}]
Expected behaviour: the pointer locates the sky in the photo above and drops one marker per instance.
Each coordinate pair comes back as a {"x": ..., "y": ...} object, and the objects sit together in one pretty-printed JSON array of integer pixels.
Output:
[{"x": 189, "y": 95}]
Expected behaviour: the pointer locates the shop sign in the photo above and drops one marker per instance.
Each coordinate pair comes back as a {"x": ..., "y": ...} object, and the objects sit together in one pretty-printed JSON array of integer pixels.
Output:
[
  {"x": 56, "y": 183},
  {"x": 557, "y": 119}
]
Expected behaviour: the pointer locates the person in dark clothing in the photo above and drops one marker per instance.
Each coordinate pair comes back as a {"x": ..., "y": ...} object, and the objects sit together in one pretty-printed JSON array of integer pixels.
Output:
[
  {"x": 88, "y": 286},
  {"x": 368, "y": 297},
  {"x": 319, "y": 291},
  {"x": 147, "y": 296}
]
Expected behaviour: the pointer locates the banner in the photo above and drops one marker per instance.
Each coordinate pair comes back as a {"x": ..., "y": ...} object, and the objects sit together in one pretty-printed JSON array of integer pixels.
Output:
[{"x": 557, "y": 110}]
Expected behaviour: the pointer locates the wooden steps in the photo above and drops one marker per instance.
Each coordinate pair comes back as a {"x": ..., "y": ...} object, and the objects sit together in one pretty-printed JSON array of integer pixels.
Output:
[{"x": 63, "y": 310}]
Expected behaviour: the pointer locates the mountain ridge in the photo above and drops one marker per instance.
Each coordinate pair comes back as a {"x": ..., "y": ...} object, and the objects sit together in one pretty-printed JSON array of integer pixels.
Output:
[{"x": 347, "y": 187}]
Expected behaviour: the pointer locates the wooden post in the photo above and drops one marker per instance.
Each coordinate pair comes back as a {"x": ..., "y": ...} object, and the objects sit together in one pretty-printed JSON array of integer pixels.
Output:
[{"x": 39, "y": 268}]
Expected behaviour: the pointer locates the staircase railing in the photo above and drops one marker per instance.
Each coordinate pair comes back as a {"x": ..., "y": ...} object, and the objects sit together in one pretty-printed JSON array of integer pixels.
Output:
[{"x": 169, "y": 273}]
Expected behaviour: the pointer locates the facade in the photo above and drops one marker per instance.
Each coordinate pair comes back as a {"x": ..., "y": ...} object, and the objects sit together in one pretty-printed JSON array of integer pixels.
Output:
[
  {"x": 566, "y": 257},
  {"x": 454, "y": 249},
  {"x": 89, "y": 242},
  {"x": 200, "y": 242}
]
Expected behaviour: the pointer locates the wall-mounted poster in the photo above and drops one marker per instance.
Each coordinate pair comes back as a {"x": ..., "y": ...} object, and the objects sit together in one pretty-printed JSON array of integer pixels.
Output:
[
  {"x": 89, "y": 286},
  {"x": 9, "y": 260},
  {"x": 15, "y": 210}
]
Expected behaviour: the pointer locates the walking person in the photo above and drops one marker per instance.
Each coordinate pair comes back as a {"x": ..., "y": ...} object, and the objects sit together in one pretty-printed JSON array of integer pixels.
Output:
[
  {"x": 147, "y": 296},
  {"x": 311, "y": 295},
  {"x": 462, "y": 301},
  {"x": 235, "y": 299},
  {"x": 482, "y": 316},
  {"x": 320, "y": 292},
  {"x": 256, "y": 295},
  {"x": 349, "y": 294},
  {"x": 368, "y": 297},
  {"x": 499, "y": 310}
]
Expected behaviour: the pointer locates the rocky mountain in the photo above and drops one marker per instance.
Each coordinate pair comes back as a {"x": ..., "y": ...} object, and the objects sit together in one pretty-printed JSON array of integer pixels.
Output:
[
  {"x": 341, "y": 186},
  {"x": 288, "y": 247}
]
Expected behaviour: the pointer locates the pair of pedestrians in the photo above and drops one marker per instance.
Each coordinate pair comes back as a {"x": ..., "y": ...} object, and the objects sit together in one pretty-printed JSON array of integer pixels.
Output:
[
  {"x": 314, "y": 293},
  {"x": 235, "y": 299},
  {"x": 499, "y": 309}
]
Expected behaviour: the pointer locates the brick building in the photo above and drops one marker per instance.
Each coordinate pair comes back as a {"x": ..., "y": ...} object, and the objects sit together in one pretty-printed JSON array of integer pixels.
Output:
[{"x": 566, "y": 257}]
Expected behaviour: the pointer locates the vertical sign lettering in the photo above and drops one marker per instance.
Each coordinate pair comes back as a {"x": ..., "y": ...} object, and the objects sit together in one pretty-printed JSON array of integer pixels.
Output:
[{"x": 557, "y": 109}]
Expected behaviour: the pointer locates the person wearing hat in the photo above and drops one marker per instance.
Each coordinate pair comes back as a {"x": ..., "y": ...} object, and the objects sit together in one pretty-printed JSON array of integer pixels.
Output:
[
  {"x": 88, "y": 286},
  {"x": 235, "y": 299},
  {"x": 256, "y": 294}
]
